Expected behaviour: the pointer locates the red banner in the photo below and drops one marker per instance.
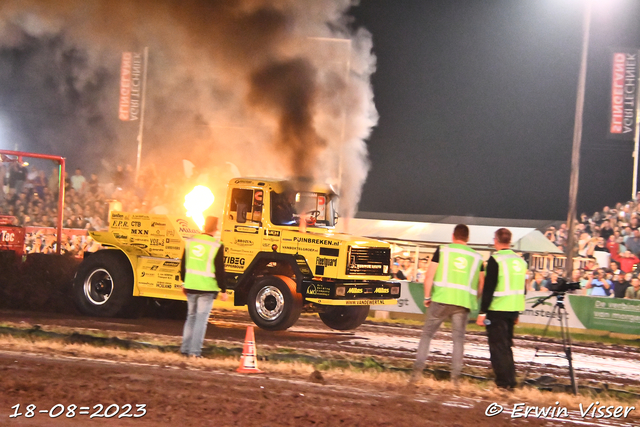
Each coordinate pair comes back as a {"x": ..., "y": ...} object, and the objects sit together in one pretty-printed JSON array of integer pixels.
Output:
[
  {"x": 12, "y": 239},
  {"x": 125, "y": 86},
  {"x": 622, "y": 118}
]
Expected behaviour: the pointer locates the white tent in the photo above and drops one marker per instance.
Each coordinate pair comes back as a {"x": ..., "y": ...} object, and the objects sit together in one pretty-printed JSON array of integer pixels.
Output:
[{"x": 480, "y": 236}]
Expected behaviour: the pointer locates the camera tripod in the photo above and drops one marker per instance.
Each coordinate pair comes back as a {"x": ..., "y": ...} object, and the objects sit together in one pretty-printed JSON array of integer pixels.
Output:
[{"x": 560, "y": 311}]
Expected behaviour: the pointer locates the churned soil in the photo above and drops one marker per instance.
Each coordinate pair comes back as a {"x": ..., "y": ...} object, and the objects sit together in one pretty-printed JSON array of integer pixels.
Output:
[{"x": 189, "y": 396}]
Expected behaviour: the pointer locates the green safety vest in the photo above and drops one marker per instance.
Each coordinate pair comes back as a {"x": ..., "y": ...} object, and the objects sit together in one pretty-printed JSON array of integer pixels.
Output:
[
  {"x": 509, "y": 293},
  {"x": 456, "y": 279},
  {"x": 200, "y": 251}
]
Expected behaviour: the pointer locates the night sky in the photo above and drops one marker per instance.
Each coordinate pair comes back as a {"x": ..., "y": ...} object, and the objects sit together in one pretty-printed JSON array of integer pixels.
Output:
[
  {"x": 477, "y": 102},
  {"x": 476, "y": 98}
]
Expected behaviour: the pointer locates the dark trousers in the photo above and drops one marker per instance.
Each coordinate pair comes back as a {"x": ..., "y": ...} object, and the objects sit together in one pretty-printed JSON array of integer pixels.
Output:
[{"x": 500, "y": 333}]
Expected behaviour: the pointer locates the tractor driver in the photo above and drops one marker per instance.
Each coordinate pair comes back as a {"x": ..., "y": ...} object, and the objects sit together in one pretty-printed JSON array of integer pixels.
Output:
[{"x": 283, "y": 212}]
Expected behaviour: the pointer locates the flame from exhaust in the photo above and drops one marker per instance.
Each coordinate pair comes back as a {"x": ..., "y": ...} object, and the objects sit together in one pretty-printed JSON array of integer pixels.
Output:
[{"x": 198, "y": 201}]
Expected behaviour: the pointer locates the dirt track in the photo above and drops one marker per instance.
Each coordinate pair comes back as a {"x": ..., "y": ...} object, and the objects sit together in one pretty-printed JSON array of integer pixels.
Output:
[
  {"x": 189, "y": 394},
  {"x": 616, "y": 365},
  {"x": 190, "y": 397}
]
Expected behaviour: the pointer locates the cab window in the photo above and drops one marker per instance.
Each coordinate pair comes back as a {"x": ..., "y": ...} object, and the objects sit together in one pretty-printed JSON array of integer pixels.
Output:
[{"x": 241, "y": 204}]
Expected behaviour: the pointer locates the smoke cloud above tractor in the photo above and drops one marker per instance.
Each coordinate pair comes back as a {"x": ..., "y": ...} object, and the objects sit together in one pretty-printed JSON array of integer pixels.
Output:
[{"x": 277, "y": 87}]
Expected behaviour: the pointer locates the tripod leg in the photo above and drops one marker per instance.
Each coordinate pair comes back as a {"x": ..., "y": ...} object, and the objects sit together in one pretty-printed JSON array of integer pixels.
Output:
[
  {"x": 566, "y": 344},
  {"x": 544, "y": 333},
  {"x": 553, "y": 313}
]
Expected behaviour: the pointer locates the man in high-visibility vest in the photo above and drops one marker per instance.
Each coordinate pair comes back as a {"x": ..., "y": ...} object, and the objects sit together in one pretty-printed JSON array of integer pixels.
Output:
[
  {"x": 451, "y": 286},
  {"x": 202, "y": 271},
  {"x": 502, "y": 301}
]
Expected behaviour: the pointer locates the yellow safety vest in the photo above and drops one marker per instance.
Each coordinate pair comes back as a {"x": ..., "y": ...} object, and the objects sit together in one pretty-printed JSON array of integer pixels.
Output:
[
  {"x": 509, "y": 293},
  {"x": 200, "y": 251},
  {"x": 457, "y": 276}
]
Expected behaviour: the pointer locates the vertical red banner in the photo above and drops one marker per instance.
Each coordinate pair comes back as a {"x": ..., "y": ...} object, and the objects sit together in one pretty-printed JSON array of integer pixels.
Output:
[
  {"x": 624, "y": 87},
  {"x": 125, "y": 86}
]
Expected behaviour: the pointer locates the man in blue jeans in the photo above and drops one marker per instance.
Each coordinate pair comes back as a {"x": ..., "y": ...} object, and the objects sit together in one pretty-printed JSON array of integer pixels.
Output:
[{"x": 202, "y": 272}]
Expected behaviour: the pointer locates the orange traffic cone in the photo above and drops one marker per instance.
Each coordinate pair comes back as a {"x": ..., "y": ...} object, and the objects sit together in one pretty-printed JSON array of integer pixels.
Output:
[{"x": 249, "y": 361}]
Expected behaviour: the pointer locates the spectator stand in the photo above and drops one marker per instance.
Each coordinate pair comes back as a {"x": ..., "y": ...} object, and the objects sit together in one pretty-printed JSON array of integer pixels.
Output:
[{"x": 16, "y": 158}]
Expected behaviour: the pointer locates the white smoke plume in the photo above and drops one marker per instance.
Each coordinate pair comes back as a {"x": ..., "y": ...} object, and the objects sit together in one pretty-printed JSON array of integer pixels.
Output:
[{"x": 277, "y": 87}]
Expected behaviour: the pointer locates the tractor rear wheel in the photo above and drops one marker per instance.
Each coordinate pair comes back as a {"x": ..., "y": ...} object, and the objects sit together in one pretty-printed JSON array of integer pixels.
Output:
[{"x": 103, "y": 285}]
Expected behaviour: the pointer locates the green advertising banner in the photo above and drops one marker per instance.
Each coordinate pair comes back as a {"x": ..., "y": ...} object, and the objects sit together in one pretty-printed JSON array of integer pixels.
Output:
[
  {"x": 607, "y": 314},
  {"x": 411, "y": 299},
  {"x": 583, "y": 312}
]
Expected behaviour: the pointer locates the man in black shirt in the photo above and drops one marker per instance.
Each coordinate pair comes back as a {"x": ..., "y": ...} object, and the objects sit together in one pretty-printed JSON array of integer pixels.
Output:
[
  {"x": 620, "y": 284},
  {"x": 502, "y": 301}
]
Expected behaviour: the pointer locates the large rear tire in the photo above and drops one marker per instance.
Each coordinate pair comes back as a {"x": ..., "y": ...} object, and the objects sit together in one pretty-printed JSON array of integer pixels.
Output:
[
  {"x": 273, "y": 303},
  {"x": 103, "y": 285},
  {"x": 344, "y": 318}
]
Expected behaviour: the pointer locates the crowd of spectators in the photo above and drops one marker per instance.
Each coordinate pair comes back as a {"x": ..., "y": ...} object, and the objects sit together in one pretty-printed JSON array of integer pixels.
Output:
[
  {"x": 609, "y": 243},
  {"x": 31, "y": 197},
  {"x": 404, "y": 268}
]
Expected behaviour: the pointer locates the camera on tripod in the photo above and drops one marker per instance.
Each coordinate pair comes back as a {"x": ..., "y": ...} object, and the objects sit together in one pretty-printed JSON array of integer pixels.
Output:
[
  {"x": 562, "y": 285},
  {"x": 558, "y": 290}
]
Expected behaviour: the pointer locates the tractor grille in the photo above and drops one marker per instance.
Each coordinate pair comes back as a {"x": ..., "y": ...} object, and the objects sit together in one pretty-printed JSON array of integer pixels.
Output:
[{"x": 368, "y": 261}]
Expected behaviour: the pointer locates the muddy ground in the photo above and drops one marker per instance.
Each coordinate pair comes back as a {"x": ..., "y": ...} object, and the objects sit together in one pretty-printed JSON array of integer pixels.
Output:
[
  {"x": 188, "y": 396},
  {"x": 392, "y": 345}
]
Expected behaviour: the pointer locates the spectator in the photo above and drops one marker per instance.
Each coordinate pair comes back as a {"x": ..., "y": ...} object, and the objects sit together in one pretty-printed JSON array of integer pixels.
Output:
[
  {"x": 628, "y": 261},
  {"x": 633, "y": 242},
  {"x": 553, "y": 281},
  {"x": 422, "y": 270},
  {"x": 576, "y": 275},
  {"x": 620, "y": 287},
  {"x": 599, "y": 285},
  {"x": 586, "y": 277},
  {"x": 562, "y": 231},
  {"x": 613, "y": 247},
  {"x": 551, "y": 234},
  {"x": 615, "y": 268},
  {"x": 596, "y": 219},
  {"x": 586, "y": 224},
  {"x": 396, "y": 273},
  {"x": 599, "y": 251},
  {"x": 606, "y": 230},
  {"x": 408, "y": 269},
  {"x": 39, "y": 183},
  {"x": 93, "y": 185},
  {"x": 586, "y": 244},
  {"x": 78, "y": 181},
  {"x": 53, "y": 182},
  {"x": 74, "y": 246},
  {"x": 21, "y": 177},
  {"x": 633, "y": 291},
  {"x": 538, "y": 283},
  {"x": 600, "y": 245}
]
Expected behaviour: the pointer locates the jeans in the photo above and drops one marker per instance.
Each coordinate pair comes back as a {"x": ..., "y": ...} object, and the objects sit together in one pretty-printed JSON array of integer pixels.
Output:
[
  {"x": 500, "y": 334},
  {"x": 195, "y": 327},
  {"x": 436, "y": 314}
]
